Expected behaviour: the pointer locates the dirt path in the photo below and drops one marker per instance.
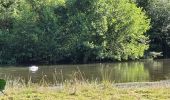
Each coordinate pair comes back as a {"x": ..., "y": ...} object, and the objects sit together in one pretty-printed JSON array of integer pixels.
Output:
[{"x": 143, "y": 84}]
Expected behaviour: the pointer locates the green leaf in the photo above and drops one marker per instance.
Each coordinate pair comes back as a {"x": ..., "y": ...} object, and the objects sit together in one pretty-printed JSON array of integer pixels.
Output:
[{"x": 2, "y": 84}]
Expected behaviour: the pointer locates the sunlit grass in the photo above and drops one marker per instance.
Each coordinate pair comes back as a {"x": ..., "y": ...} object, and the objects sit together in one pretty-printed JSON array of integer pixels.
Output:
[
  {"x": 84, "y": 91},
  {"x": 80, "y": 89}
]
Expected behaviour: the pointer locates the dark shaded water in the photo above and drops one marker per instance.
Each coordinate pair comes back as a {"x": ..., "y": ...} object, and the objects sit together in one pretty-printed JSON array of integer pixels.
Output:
[{"x": 140, "y": 71}]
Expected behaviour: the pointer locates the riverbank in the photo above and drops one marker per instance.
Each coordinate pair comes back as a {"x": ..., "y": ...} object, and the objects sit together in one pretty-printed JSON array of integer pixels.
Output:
[
  {"x": 165, "y": 83},
  {"x": 89, "y": 91}
]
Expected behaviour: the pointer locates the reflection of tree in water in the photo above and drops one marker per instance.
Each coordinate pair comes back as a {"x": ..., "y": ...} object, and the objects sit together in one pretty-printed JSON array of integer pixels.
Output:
[
  {"x": 166, "y": 68},
  {"x": 155, "y": 69},
  {"x": 13, "y": 72},
  {"x": 118, "y": 72},
  {"x": 127, "y": 72},
  {"x": 158, "y": 69}
]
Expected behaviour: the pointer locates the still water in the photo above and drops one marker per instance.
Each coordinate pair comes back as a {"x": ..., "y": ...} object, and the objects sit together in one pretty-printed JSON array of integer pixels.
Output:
[{"x": 138, "y": 71}]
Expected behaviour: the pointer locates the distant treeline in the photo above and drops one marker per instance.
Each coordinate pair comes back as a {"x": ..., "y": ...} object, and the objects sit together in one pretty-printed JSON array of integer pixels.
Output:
[{"x": 80, "y": 31}]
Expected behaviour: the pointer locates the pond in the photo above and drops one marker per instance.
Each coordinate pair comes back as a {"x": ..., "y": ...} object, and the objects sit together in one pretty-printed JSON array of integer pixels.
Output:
[{"x": 120, "y": 72}]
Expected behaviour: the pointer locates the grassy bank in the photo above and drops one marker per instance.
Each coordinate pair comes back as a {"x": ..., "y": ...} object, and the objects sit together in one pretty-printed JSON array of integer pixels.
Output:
[{"x": 82, "y": 91}]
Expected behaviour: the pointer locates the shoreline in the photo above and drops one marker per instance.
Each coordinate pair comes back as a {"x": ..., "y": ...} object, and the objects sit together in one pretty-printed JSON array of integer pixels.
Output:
[
  {"x": 164, "y": 83},
  {"x": 90, "y": 91}
]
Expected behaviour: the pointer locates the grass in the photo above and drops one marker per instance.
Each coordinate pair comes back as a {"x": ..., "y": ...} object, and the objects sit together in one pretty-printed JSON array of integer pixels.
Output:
[{"x": 81, "y": 90}]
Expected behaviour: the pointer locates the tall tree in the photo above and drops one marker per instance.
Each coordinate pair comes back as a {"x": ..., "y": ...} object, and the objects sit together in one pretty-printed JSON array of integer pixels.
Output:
[{"x": 108, "y": 29}]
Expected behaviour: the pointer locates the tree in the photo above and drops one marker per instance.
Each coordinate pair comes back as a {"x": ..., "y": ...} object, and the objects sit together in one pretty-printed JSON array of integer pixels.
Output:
[
  {"x": 158, "y": 11},
  {"x": 160, "y": 32},
  {"x": 50, "y": 31},
  {"x": 107, "y": 29},
  {"x": 32, "y": 36}
]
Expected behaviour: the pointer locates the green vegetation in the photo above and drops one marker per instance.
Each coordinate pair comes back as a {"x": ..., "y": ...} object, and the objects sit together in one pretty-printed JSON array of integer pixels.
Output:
[
  {"x": 2, "y": 85},
  {"x": 81, "y": 31},
  {"x": 50, "y": 31},
  {"x": 158, "y": 11},
  {"x": 82, "y": 91}
]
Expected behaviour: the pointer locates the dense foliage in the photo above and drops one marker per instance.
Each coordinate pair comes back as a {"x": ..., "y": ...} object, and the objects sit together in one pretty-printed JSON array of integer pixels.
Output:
[
  {"x": 158, "y": 11},
  {"x": 52, "y": 31}
]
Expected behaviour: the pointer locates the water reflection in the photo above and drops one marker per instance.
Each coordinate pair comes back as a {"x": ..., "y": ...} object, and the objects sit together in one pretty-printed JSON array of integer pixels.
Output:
[
  {"x": 146, "y": 70},
  {"x": 126, "y": 72}
]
